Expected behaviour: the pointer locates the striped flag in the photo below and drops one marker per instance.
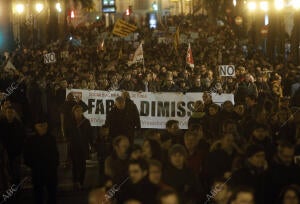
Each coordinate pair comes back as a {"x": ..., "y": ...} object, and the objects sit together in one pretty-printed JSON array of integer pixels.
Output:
[
  {"x": 122, "y": 28},
  {"x": 189, "y": 57},
  {"x": 176, "y": 40}
]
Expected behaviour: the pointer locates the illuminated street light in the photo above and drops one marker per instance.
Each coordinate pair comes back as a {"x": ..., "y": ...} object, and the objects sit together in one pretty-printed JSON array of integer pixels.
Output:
[
  {"x": 296, "y": 4},
  {"x": 266, "y": 20},
  {"x": 279, "y": 4},
  {"x": 58, "y": 7},
  {"x": 20, "y": 8},
  {"x": 251, "y": 6},
  {"x": 264, "y": 6},
  {"x": 39, "y": 7}
]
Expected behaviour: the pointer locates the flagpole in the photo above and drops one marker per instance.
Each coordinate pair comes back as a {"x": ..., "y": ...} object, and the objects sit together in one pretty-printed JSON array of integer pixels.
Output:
[{"x": 143, "y": 55}]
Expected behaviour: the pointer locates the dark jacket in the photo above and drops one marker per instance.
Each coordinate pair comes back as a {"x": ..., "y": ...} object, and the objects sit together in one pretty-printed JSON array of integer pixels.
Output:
[
  {"x": 172, "y": 88},
  {"x": 278, "y": 176},
  {"x": 196, "y": 118},
  {"x": 123, "y": 122},
  {"x": 12, "y": 137},
  {"x": 143, "y": 191},
  {"x": 133, "y": 114},
  {"x": 217, "y": 162},
  {"x": 127, "y": 85},
  {"x": 143, "y": 86},
  {"x": 81, "y": 138},
  {"x": 118, "y": 167},
  {"x": 182, "y": 180},
  {"x": 195, "y": 89},
  {"x": 40, "y": 152},
  {"x": 251, "y": 177}
]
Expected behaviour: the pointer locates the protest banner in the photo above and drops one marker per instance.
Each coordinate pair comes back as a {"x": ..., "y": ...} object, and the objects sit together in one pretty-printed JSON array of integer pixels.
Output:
[
  {"x": 155, "y": 108},
  {"x": 227, "y": 70},
  {"x": 49, "y": 58}
]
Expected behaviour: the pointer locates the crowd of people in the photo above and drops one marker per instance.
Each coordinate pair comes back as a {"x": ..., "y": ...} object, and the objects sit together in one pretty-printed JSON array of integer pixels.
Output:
[{"x": 246, "y": 152}]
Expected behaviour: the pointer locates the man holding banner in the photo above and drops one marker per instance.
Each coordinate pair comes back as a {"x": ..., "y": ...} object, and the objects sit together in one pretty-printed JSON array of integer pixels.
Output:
[{"x": 122, "y": 119}]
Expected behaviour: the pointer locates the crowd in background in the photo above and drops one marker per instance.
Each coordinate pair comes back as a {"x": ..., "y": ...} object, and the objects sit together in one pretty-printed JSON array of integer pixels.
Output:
[{"x": 244, "y": 152}]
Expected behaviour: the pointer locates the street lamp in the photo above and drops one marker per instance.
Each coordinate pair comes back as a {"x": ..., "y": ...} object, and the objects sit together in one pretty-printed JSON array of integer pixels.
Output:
[
  {"x": 39, "y": 7},
  {"x": 252, "y": 6},
  {"x": 264, "y": 6},
  {"x": 279, "y": 4},
  {"x": 234, "y": 3},
  {"x": 20, "y": 8},
  {"x": 58, "y": 7}
]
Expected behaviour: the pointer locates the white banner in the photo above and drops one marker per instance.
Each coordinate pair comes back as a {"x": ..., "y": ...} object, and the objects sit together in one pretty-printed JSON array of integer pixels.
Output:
[
  {"x": 49, "y": 58},
  {"x": 155, "y": 108},
  {"x": 227, "y": 70}
]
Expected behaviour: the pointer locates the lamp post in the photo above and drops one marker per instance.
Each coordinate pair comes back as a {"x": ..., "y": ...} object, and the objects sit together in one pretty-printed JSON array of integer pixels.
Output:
[
  {"x": 296, "y": 32},
  {"x": 252, "y": 8},
  {"x": 19, "y": 10}
]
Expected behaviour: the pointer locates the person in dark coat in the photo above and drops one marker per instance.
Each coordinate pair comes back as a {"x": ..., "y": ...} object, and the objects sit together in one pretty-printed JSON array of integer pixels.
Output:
[
  {"x": 147, "y": 85},
  {"x": 3, "y": 170},
  {"x": 282, "y": 171},
  {"x": 138, "y": 186},
  {"x": 66, "y": 113},
  {"x": 116, "y": 164},
  {"x": 260, "y": 136},
  {"x": 290, "y": 195},
  {"x": 169, "y": 85},
  {"x": 197, "y": 85},
  {"x": 80, "y": 144},
  {"x": 179, "y": 176},
  {"x": 198, "y": 114},
  {"x": 120, "y": 120},
  {"x": 253, "y": 171},
  {"x": 127, "y": 83},
  {"x": 133, "y": 114},
  {"x": 41, "y": 155},
  {"x": 12, "y": 138},
  {"x": 219, "y": 161}
]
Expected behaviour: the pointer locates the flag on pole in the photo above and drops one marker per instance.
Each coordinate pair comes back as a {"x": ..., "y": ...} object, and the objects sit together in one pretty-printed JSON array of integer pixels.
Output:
[
  {"x": 138, "y": 55},
  {"x": 9, "y": 66},
  {"x": 102, "y": 48},
  {"x": 189, "y": 57},
  {"x": 176, "y": 40},
  {"x": 123, "y": 29}
]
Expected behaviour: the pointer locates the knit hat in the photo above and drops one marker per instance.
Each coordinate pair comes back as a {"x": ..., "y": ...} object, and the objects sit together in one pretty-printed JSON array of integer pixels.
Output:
[
  {"x": 177, "y": 148},
  {"x": 253, "y": 149}
]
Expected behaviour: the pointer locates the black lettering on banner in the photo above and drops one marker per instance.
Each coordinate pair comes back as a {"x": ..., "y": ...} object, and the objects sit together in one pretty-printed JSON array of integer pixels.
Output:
[
  {"x": 99, "y": 107},
  {"x": 90, "y": 105},
  {"x": 190, "y": 107},
  {"x": 163, "y": 109},
  {"x": 173, "y": 106},
  {"x": 153, "y": 108},
  {"x": 145, "y": 106},
  {"x": 223, "y": 70},
  {"x": 109, "y": 104},
  {"x": 181, "y": 111},
  {"x": 230, "y": 70}
]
